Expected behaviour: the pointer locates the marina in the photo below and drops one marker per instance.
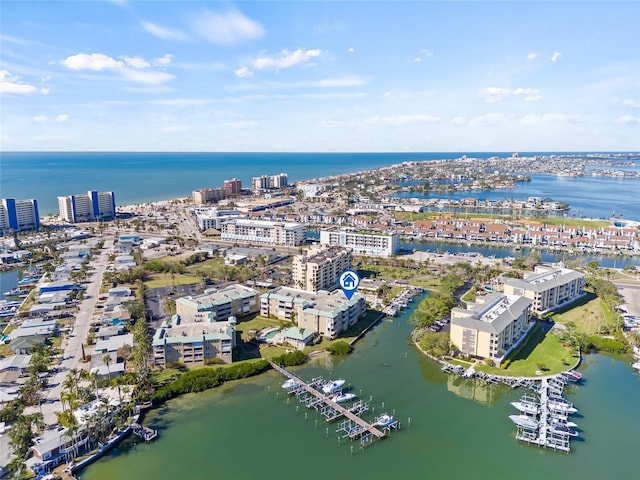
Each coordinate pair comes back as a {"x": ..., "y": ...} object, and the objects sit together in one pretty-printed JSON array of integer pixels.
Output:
[{"x": 321, "y": 396}]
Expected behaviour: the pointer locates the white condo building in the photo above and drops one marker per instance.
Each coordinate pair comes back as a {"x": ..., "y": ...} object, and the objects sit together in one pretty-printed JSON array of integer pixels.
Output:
[
  {"x": 264, "y": 232},
  {"x": 320, "y": 270},
  {"x": 90, "y": 207},
  {"x": 548, "y": 287},
  {"x": 18, "y": 215},
  {"x": 362, "y": 243},
  {"x": 207, "y": 218},
  {"x": 492, "y": 326},
  {"x": 323, "y": 312}
]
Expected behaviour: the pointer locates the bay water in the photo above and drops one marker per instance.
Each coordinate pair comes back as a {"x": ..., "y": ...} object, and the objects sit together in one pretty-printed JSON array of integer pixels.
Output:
[{"x": 451, "y": 428}]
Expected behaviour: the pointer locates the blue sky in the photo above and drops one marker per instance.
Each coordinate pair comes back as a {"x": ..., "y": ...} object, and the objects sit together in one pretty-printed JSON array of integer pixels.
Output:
[{"x": 319, "y": 76}]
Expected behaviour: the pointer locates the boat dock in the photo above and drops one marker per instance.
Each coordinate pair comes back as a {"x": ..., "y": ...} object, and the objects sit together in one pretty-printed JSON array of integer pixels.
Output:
[
  {"x": 146, "y": 433},
  {"x": 329, "y": 409}
]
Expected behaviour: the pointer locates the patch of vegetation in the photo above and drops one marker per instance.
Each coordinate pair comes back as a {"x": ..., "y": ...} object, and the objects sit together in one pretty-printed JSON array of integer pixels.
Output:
[
  {"x": 291, "y": 359},
  {"x": 202, "y": 379},
  {"x": 339, "y": 348},
  {"x": 435, "y": 343}
]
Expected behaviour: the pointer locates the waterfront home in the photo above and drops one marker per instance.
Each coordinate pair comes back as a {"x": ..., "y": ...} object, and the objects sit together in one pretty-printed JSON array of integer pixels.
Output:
[
  {"x": 380, "y": 244},
  {"x": 549, "y": 287},
  {"x": 194, "y": 338},
  {"x": 296, "y": 337},
  {"x": 320, "y": 269},
  {"x": 326, "y": 313},
  {"x": 54, "y": 447},
  {"x": 233, "y": 300}
]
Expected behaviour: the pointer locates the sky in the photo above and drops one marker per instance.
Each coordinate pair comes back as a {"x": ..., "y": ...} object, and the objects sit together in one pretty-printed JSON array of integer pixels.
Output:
[{"x": 310, "y": 76}]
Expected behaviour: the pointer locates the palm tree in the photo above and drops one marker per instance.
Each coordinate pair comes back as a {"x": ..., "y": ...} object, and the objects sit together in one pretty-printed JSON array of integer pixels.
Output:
[{"x": 106, "y": 359}]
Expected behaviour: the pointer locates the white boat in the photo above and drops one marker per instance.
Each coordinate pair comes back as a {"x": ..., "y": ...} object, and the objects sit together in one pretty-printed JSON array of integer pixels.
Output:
[
  {"x": 562, "y": 407},
  {"x": 289, "y": 384},
  {"x": 344, "y": 397},
  {"x": 564, "y": 423},
  {"x": 524, "y": 421},
  {"x": 636, "y": 365},
  {"x": 527, "y": 407},
  {"x": 332, "y": 386},
  {"x": 561, "y": 430},
  {"x": 383, "y": 420}
]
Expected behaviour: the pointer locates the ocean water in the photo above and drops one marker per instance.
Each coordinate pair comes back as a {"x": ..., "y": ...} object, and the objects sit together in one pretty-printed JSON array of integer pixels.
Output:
[
  {"x": 143, "y": 177},
  {"x": 450, "y": 428}
]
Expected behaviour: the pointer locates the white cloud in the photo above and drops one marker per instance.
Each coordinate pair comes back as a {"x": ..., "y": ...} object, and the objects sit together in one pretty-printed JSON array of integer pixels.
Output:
[
  {"x": 166, "y": 59},
  {"x": 243, "y": 72},
  {"x": 416, "y": 60},
  {"x": 226, "y": 28},
  {"x": 12, "y": 84},
  {"x": 94, "y": 61},
  {"x": 40, "y": 118},
  {"x": 286, "y": 59},
  {"x": 348, "y": 81},
  {"x": 552, "y": 118},
  {"x": 630, "y": 102},
  {"x": 174, "y": 128},
  {"x": 63, "y": 117},
  {"x": 136, "y": 62},
  {"x": 496, "y": 94},
  {"x": 131, "y": 69},
  {"x": 241, "y": 125},
  {"x": 426, "y": 52},
  {"x": 627, "y": 120},
  {"x": 164, "y": 33},
  {"x": 403, "y": 120},
  {"x": 556, "y": 55},
  {"x": 532, "y": 56},
  {"x": 489, "y": 119},
  {"x": 351, "y": 50},
  {"x": 148, "y": 77},
  {"x": 331, "y": 123},
  {"x": 458, "y": 121}
]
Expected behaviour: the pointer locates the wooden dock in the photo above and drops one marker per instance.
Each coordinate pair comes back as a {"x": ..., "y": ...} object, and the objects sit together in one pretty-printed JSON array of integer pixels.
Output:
[{"x": 340, "y": 411}]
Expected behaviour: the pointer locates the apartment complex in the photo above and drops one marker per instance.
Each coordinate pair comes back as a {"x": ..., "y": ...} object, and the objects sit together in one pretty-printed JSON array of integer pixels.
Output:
[
  {"x": 207, "y": 218},
  {"x": 323, "y": 312},
  {"x": 266, "y": 182},
  {"x": 94, "y": 206},
  {"x": 362, "y": 242},
  {"x": 232, "y": 301},
  {"x": 208, "y": 195},
  {"x": 233, "y": 186},
  {"x": 491, "y": 326},
  {"x": 18, "y": 215},
  {"x": 193, "y": 339},
  {"x": 264, "y": 232},
  {"x": 548, "y": 287},
  {"x": 320, "y": 270}
]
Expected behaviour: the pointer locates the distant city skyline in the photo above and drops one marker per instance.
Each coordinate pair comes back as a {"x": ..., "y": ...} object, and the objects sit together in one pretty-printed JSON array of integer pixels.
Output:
[{"x": 319, "y": 76}]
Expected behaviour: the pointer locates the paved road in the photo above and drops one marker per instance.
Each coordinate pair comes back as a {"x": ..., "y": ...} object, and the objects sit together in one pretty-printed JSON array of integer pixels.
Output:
[{"x": 72, "y": 355}]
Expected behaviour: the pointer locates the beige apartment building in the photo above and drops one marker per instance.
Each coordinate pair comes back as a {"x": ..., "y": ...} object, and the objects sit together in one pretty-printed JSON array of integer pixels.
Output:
[
  {"x": 320, "y": 269},
  {"x": 362, "y": 242},
  {"x": 491, "y": 326},
  {"x": 264, "y": 232},
  {"x": 232, "y": 301},
  {"x": 323, "y": 312},
  {"x": 548, "y": 287},
  {"x": 194, "y": 338}
]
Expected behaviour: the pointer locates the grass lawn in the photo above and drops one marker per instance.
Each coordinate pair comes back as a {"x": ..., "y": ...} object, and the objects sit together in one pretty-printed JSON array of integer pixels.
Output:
[
  {"x": 540, "y": 348},
  {"x": 428, "y": 283},
  {"x": 569, "y": 222},
  {"x": 387, "y": 272},
  {"x": 588, "y": 315},
  {"x": 210, "y": 266},
  {"x": 158, "y": 280},
  {"x": 257, "y": 323}
]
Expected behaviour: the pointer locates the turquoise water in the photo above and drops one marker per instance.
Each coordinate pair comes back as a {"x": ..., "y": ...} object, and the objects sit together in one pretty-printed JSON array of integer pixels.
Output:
[
  {"x": 149, "y": 176},
  {"x": 451, "y": 428}
]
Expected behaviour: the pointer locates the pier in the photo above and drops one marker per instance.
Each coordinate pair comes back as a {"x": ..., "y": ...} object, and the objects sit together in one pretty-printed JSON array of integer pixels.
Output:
[
  {"x": 330, "y": 409},
  {"x": 146, "y": 433}
]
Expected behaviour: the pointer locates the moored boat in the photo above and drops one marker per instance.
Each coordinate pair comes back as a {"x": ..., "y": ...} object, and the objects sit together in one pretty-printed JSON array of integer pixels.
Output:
[
  {"x": 332, "y": 386},
  {"x": 289, "y": 384},
  {"x": 524, "y": 421},
  {"x": 562, "y": 407},
  {"x": 527, "y": 407},
  {"x": 383, "y": 420},
  {"x": 562, "y": 430},
  {"x": 344, "y": 397}
]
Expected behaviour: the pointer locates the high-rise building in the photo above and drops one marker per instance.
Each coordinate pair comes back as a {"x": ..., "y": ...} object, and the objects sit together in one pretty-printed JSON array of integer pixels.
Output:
[
  {"x": 279, "y": 181},
  {"x": 208, "y": 195},
  {"x": 19, "y": 215},
  {"x": 233, "y": 186},
  {"x": 94, "y": 206},
  {"x": 362, "y": 243},
  {"x": 263, "y": 232},
  {"x": 262, "y": 182},
  {"x": 320, "y": 271}
]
